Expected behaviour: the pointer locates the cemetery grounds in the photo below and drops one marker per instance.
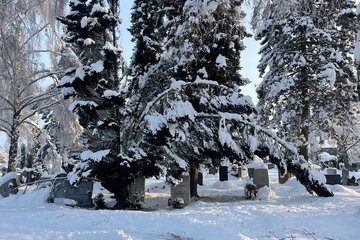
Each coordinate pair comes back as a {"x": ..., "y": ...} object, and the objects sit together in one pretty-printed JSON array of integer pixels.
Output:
[{"x": 285, "y": 211}]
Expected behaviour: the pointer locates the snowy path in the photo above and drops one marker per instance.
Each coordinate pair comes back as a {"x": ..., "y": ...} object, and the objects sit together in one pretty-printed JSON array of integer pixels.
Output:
[{"x": 290, "y": 213}]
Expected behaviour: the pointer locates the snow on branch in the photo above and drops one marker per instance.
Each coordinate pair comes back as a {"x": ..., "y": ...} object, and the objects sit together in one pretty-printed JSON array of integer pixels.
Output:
[
  {"x": 78, "y": 103},
  {"x": 177, "y": 86},
  {"x": 95, "y": 156}
]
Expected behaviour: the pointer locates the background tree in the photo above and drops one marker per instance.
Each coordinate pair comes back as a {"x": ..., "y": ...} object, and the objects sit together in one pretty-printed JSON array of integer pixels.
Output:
[
  {"x": 343, "y": 101},
  {"x": 304, "y": 66},
  {"x": 21, "y": 30}
]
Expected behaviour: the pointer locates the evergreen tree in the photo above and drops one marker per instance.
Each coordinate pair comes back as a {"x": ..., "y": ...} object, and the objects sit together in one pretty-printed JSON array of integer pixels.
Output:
[
  {"x": 206, "y": 65},
  {"x": 202, "y": 117},
  {"x": 91, "y": 33},
  {"x": 343, "y": 100},
  {"x": 303, "y": 60},
  {"x": 147, "y": 34}
]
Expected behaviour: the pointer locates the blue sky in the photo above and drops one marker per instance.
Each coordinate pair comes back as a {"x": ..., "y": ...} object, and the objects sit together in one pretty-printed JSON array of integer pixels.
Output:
[{"x": 249, "y": 57}]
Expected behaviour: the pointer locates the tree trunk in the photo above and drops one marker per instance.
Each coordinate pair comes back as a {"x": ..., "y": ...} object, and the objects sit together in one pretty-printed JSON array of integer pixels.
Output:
[
  {"x": 13, "y": 152},
  {"x": 194, "y": 170},
  {"x": 343, "y": 156},
  {"x": 121, "y": 197},
  {"x": 305, "y": 115}
]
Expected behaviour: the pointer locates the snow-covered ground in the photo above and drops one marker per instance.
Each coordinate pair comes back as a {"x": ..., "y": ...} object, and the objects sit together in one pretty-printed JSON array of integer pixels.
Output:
[{"x": 286, "y": 212}]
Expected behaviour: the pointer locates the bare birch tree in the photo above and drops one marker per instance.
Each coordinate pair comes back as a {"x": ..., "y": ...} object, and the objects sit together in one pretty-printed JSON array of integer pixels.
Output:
[{"x": 22, "y": 68}]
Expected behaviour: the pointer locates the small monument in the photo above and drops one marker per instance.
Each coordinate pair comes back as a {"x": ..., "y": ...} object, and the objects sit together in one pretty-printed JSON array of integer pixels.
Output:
[
  {"x": 332, "y": 177},
  {"x": 180, "y": 193},
  {"x": 331, "y": 171},
  {"x": 82, "y": 193},
  {"x": 261, "y": 177},
  {"x": 223, "y": 173},
  {"x": 8, "y": 184},
  {"x": 137, "y": 190}
]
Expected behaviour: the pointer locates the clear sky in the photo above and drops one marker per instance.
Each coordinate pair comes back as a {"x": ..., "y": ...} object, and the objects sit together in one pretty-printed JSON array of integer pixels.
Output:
[{"x": 249, "y": 57}]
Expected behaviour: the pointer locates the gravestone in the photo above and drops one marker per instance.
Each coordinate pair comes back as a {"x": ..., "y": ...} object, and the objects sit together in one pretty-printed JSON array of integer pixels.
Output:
[
  {"x": 333, "y": 179},
  {"x": 353, "y": 167},
  {"x": 81, "y": 194},
  {"x": 261, "y": 177},
  {"x": 223, "y": 173},
  {"x": 200, "y": 179},
  {"x": 331, "y": 171},
  {"x": 181, "y": 191},
  {"x": 8, "y": 187},
  {"x": 137, "y": 190},
  {"x": 251, "y": 172}
]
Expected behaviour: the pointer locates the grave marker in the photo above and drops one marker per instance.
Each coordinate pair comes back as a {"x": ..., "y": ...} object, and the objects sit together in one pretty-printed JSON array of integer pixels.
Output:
[
  {"x": 331, "y": 171},
  {"x": 333, "y": 179},
  {"x": 181, "y": 191},
  {"x": 137, "y": 190},
  {"x": 261, "y": 177},
  {"x": 223, "y": 173},
  {"x": 8, "y": 187},
  {"x": 81, "y": 194}
]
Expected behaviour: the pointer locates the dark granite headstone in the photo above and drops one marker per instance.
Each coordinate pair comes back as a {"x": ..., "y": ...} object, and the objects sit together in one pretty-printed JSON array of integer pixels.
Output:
[
  {"x": 261, "y": 177},
  {"x": 333, "y": 179},
  {"x": 223, "y": 173},
  {"x": 8, "y": 187},
  {"x": 354, "y": 167},
  {"x": 200, "y": 179},
  {"x": 181, "y": 191},
  {"x": 137, "y": 190},
  {"x": 81, "y": 194}
]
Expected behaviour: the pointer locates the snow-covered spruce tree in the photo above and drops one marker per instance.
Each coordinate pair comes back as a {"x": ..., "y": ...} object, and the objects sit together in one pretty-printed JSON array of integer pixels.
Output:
[
  {"x": 90, "y": 31},
  {"x": 194, "y": 56},
  {"x": 146, "y": 19},
  {"x": 300, "y": 64},
  {"x": 202, "y": 117},
  {"x": 343, "y": 101}
]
